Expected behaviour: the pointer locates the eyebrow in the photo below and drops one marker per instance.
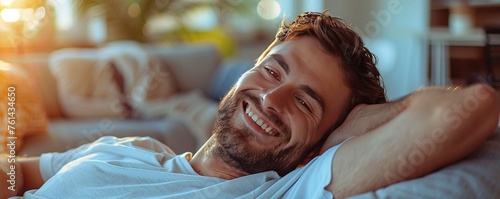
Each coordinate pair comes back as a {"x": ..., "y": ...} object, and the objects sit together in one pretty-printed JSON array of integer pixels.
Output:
[
  {"x": 307, "y": 89},
  {"x": 278, "y": 58}
]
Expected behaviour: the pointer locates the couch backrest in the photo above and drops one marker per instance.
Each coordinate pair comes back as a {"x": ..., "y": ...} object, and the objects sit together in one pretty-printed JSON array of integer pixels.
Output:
[{"x": 192, "y": 65}]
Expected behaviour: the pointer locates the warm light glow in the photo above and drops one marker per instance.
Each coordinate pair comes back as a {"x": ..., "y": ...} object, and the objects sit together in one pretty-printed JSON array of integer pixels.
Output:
[
  {"x": 159, "y": 24},
  {"x": 268, "y": 9},
  {"x": 6, "y": 3},
  {"x": 134, "y": 10},
  {"x": 27, "y": 14},
  {"x": 39, "y": 13},
  {"x": 5, "y": 66},
  {"x": 11, "y": 15},
  {"x": 201, "y": 19},
  {"x": 64, "y": 11},
  {"x": 97, "y": 29}
]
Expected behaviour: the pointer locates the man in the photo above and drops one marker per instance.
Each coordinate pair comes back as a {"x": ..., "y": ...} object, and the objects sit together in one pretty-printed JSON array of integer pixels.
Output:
[{"x": 281, "y": 114}]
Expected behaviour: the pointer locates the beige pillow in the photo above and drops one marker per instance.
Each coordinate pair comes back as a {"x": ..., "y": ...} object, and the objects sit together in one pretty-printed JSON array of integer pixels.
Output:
[
  {"x": 197, "y": 112},
  {"x": 111, "y": 81},
  {"x": 151, "y": 91}
]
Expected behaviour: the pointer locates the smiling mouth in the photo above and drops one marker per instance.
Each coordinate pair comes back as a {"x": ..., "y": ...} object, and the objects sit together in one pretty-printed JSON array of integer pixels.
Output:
[{"x": 266, "y": 128}]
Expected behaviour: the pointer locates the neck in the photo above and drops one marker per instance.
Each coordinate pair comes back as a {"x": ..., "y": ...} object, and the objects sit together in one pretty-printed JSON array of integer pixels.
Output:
[{"x": 207, "y": 163}]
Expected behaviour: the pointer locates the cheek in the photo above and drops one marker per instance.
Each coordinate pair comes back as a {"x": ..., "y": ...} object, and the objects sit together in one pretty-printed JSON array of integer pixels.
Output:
[{"x": 305, "y": 129}]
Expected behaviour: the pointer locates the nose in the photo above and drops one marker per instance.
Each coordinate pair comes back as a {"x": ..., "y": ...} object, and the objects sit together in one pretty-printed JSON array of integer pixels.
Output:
[{"x": 275, "y": 99}]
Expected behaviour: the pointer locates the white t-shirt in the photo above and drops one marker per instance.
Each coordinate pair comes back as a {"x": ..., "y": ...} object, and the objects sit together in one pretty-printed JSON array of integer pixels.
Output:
[{"x": 145, "y": 168}]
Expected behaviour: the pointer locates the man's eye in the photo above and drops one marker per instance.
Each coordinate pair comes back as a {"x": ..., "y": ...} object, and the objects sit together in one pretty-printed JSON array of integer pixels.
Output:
[
  {"x": 274, "y": 74},
  {"x": 301, "y": 101}
]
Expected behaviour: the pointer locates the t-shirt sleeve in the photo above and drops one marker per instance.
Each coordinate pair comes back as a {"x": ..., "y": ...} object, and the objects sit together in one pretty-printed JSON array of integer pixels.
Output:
[
  {"x": 51, "y": 163},
  {"x": 315, "y": 177}
]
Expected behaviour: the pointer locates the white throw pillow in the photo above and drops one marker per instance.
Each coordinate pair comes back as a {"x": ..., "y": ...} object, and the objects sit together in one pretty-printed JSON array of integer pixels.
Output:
[{"x": 195, "y": 111}]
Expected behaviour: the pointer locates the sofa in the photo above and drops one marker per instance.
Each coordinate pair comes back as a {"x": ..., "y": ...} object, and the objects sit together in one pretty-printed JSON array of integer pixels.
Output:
[
  {"x": 202, "y": 70},
  {"x": 197, "y": 70}
]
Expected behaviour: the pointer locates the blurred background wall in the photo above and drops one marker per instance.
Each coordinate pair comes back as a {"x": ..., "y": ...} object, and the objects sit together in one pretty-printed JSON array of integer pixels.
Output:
[
  {"x": 395, "y": 31},
  {"x": 399, "y": 32}
]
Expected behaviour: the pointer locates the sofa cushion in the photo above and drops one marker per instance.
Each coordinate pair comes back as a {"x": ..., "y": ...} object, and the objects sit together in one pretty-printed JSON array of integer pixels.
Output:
[
  {"x": 21, "y": 111},
  {"x": 195, "y": 111},
  {"x": 85, "y": 89},
  {"x": 65, "y": 134},
  {"x": 192, "y": 65}
]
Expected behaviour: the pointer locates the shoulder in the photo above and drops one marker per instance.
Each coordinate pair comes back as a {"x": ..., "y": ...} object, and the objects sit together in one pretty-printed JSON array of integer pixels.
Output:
[
  {"x": 136, "y": 142},
  {"x": 311, "y": 179}
]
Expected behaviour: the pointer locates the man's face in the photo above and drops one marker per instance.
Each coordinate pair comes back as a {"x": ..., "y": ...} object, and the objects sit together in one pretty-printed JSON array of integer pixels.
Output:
[{"x": 280, "y": 108}]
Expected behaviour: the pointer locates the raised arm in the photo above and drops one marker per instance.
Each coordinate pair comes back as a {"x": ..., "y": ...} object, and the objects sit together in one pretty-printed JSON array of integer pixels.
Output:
[
  {"x": 423, "y": 132},
  {"x": 362, "y": 119},
  {"x": 19, "y": 175}
]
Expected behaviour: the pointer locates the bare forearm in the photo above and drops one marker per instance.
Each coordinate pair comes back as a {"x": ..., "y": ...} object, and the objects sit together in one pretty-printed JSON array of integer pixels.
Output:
[
  {"x": 464, "y": 119},
  {"x": 31, "y": 173},
  {"x": 365, "y": 118},
  {"x": 384, "y": 113},
  {"x": 442, "y": 128},
  {"x": 18, "y": 174},
  {"x": 431, "y": 132}
]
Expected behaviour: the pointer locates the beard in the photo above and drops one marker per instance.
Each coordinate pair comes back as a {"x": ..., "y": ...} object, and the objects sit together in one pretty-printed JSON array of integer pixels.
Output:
[{"x": 232, "y": 142}]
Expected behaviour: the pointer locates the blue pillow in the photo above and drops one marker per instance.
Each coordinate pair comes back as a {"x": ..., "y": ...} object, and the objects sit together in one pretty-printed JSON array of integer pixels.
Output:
[{"x": 226, "y": 76}]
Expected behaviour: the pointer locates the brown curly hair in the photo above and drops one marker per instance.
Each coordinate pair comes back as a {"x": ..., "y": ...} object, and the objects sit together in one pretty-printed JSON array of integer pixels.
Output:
[{"x": 337, "y": 39}]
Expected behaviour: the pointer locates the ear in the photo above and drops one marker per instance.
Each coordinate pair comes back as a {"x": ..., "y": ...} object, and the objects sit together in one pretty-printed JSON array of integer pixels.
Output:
[{"x": 310, "y": 156}]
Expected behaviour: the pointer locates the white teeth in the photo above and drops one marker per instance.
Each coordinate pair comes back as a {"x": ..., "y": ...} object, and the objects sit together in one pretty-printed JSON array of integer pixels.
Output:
[
  {"x": 264, "y": 126},
  {"x": 268, "y": 129},
  {"x": 259, "y": 122}
]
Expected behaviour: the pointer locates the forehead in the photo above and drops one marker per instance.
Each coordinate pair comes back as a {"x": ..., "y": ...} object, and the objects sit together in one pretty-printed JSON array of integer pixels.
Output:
[{"x": 311, "y": 65}]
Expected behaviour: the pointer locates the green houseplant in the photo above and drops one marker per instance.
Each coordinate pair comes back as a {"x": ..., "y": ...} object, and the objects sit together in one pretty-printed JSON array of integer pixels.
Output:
[{"x": 126, "y": 19}]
